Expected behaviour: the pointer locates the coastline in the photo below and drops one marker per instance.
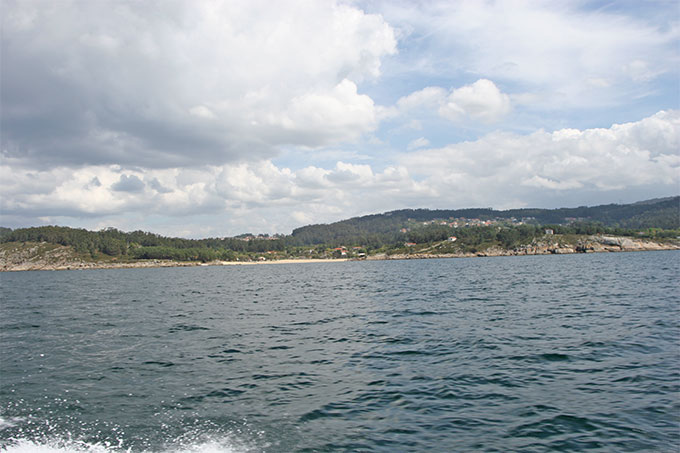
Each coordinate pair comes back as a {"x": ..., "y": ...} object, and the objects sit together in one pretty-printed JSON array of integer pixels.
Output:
[
  {"x": 145, "y": 264},
  {"x": 594, "y": 244}
]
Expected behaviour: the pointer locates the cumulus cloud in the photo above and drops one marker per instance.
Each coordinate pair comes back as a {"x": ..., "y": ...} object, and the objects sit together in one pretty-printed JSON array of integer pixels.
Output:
[
  {"x": 167, "y": 84},
  {"x": 481, "y": 100},
  {"x": 327, "y": 117},
  {"x": 500, "y": 169},
  {"x": 503, "y": 164}
]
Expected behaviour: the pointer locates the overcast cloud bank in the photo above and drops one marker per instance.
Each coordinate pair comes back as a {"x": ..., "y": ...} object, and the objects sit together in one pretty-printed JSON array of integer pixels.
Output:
[{"x": 501, "y": 170}]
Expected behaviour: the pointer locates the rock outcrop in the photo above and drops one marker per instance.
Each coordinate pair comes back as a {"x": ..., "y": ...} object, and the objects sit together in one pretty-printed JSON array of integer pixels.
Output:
[
  {"x": 589, "y": 244},
  {"x": 27, "y": 256}
]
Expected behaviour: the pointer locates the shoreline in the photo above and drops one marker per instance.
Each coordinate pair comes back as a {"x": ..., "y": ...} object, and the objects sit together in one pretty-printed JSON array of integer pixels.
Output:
[
  {"x": 154, "y": 264},
  {"x": 604, "y": 245}
]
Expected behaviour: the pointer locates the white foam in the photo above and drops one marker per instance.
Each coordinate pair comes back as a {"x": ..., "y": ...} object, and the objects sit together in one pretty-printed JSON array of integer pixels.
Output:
[
  {"x": 9, "y": 423},
  {"x": 29, "y": 446},
  {"x": 60, "y": 446},
  {"x": 207, "y": 447}
]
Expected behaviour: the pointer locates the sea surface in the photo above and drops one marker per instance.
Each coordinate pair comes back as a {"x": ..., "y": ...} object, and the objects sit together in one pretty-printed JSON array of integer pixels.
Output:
[{"x": 526, "y": 354}]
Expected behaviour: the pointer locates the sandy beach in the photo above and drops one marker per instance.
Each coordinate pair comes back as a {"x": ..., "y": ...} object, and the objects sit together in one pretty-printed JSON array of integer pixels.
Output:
[{"x": 284, "y": 261}]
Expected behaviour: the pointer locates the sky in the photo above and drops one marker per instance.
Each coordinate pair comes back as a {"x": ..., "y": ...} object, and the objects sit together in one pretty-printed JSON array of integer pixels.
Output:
[{"x": 213, "y": 118}]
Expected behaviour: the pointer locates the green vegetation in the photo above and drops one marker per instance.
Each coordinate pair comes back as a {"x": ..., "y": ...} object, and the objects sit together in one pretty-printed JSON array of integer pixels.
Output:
[
  {"x": 4, "y": 231},
  {"x": 384, "y": 228},
  {"x": 142, "y": 245},
  {"x": 405, "y": 231}
]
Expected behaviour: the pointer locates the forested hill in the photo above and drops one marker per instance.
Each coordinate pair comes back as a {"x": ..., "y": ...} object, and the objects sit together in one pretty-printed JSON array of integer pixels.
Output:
[
  {"x": 472, "y": 228},
  {"x": 657, "y": 213}
]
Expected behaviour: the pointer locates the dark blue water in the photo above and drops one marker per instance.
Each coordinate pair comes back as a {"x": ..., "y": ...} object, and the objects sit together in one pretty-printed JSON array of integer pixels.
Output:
[{"x": 530, "y": 354}]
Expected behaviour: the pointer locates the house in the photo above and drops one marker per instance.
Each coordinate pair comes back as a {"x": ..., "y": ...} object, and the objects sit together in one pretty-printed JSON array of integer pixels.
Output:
[
  {"x": 452, "y": 238},
  {"x": 549, "y": 231},
  {"x": 410, "y": 244}
]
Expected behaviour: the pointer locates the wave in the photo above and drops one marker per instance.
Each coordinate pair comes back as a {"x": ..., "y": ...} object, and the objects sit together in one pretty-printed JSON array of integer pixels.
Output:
[
  {"x": 221, "y": 445},
  {"x": 196, "y": 441},
  {"x": 9, "y": 423}
]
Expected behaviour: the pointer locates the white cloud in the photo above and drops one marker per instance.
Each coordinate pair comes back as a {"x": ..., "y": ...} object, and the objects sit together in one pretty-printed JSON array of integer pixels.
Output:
[
  {"x": 421, "y": 142},
  {"x": 502, "y": 164},
  {"x": 184, "y": 82},
  {"x": 328, "y": 117},
  {"x": 481, "y": 100},
  {"x": 553, "y": 51},
  {"x": 428, "y": 97},
  {"x": 501, "y": 169},
  {"x": 546, "y": 183},
  {"x": 639, "y": 71}
]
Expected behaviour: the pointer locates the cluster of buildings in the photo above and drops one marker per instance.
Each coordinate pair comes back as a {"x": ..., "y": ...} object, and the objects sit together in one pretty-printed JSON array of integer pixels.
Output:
[
  {"x": 353, "y": 251},
  {"x": 460, "y": 222},
  {"x": 252, "y": 237}
]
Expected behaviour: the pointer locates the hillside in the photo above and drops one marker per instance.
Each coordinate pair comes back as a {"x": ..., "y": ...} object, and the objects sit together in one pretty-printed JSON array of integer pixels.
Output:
[
  {"x": 28, "y": 256},
  {"x": 661, "y": 213},
  {"x": 650, "y": 225}
]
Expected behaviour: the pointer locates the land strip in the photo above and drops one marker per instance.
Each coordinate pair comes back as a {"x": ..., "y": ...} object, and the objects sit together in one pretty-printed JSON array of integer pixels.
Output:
[{"x": 28, "y": 256}]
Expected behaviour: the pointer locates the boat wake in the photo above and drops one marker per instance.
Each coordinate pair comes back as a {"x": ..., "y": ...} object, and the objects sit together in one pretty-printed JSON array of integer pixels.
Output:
[
  {"x": 74, "y": 446},
  {"x": 36, "y": 442}
]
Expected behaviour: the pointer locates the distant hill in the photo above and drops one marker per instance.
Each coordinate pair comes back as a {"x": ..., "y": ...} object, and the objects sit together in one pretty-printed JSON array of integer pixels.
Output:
[
  {"x": 472, "y": 229},
  {"x": 658, "y": 213}
]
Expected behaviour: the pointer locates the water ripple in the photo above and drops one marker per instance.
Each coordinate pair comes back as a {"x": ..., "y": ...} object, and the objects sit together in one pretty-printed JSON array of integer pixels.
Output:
[{"x": 526, "y": 354}]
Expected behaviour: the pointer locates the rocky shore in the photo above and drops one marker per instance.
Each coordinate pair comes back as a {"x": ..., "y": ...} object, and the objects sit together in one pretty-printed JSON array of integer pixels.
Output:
[
  {"x": 590, "y": 244},
  {"x": 43, "y": 256},
  {"x": 52, "y": 257}
]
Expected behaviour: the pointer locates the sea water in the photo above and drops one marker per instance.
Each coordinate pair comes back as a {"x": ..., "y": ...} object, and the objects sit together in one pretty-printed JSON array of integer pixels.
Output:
[{"x": 530, "y": 354}]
